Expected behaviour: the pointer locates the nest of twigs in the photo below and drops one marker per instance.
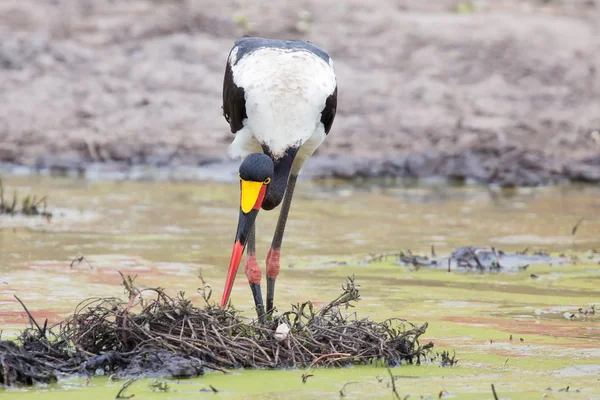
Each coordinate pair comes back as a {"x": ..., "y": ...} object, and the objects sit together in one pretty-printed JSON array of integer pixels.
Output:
[{"x": 152, "y": 333}]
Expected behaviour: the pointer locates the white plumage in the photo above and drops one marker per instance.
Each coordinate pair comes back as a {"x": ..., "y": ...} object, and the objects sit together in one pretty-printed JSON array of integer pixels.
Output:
[{"x": 285, "y": 93}]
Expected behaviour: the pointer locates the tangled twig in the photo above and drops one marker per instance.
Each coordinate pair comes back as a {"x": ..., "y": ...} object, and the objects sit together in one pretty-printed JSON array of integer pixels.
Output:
[{"x": 138, "y": 334}]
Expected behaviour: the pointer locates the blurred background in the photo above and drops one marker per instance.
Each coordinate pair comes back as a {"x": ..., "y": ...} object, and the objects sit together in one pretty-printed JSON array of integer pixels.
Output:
[{"x": 503, "y": 91}]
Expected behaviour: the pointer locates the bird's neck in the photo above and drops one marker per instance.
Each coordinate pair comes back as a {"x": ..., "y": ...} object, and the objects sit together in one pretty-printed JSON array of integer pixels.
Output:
[{"x": 278, "y": 184}]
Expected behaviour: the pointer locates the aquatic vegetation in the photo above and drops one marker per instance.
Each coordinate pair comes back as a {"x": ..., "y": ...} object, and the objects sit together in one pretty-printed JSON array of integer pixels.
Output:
[
  {"x": 171, "y": 337},
  {"x": 29, "y": 205},
  {"x": 474, "y": 258},
  {"x": 507, "y": 328}
]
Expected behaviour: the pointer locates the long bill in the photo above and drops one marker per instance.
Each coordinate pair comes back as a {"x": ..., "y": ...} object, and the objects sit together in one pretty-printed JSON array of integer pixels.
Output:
[{"x": 251, "y": 197}]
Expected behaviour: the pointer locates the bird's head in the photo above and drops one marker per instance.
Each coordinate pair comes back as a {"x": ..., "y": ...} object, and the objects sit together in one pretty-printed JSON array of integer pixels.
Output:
[{"x": 256, "y": 172}]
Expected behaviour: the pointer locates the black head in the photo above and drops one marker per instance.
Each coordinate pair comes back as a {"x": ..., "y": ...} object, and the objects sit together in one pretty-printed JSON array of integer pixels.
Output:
[{"x": 257, "y": 167}]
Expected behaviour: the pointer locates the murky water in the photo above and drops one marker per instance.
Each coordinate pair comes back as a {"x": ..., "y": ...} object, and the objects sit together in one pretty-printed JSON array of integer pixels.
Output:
[{"x": 167, "y": 234}]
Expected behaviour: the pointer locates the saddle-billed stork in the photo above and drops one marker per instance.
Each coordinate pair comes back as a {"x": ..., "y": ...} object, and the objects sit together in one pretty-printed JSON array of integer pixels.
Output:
[{"x": 280, "y": 100}]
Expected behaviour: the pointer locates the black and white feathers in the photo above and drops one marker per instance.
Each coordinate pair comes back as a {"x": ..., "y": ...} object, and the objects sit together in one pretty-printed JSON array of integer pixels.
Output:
[{"x": 278, "y": 95}]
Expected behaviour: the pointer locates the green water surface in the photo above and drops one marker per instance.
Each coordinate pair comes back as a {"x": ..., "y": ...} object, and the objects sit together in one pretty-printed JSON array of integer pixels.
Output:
[{"x": 169, "y": 233}]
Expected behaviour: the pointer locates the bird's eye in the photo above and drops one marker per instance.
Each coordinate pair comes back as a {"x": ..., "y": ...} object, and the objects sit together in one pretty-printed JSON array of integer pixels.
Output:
[{"x": 266, "y": 181}]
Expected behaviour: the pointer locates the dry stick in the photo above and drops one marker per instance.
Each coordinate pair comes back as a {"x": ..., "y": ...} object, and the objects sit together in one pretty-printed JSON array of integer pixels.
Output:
[
  {"x": 396, "y": 395},
  {"x": 350, "y": 347},
  {"x": 293, "y": 354},
  {"x": 305, "y": 377},
  {"x": 223, "y": 344},
  {"x": 90, "y": 330},
  {"x": 342, "y": 394},
  {"x": 175, "y": 339},
  {"x": 295, "y": 346},
  {"x": 574, "y": 231},
  {"x": 193, "y": 335},
  {"x": 497, "y": 258},
  {"x": 217, "y": 358},
  {"x": 343, "y": 355},
  {"x": 350, "y": 294},
  {"x": 257, "y": 346},
  {"x": 181, "y": 332},
  {"x": 524, "y": 251},
  {"x": 31, "y": 319},
  {"x": 301, "y": 345},
  {"x": 494, "y": 392},
  {"x": 349, "y": 337},
  {"x": 240, "y": 349},
  {"x": 124, "y": 388},
  {"x": 476, "y": 258},
  {"x": 210, "y": 366},
  {"x": 126, "y": 312},
  {"x": 78, "y": 260}
]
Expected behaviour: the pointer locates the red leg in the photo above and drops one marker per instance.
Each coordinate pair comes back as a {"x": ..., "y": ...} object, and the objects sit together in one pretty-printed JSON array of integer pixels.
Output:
[
  {"x": 252, "y": 269},
  {"x": 273, "y": 263}
]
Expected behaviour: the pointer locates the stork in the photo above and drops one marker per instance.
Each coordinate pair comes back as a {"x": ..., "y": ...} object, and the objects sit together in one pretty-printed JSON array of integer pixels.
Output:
[{"x": 280, "y": 100}]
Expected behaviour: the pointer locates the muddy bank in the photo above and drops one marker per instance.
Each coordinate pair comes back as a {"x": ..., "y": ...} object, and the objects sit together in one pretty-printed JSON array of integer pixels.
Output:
[
  {"x": 153, "y": 334},
  {"x": 139, "y": 84},
  {"x": 503, "y": 166}
]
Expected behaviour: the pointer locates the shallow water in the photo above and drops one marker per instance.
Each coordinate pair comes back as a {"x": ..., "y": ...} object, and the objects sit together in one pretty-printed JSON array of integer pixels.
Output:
[{"x": 167, "y": 234}]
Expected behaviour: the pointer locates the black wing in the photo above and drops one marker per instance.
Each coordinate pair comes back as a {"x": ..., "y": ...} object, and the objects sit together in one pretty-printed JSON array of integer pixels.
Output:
[
  {"x": 328, "y": 113},
  {"x": 234, "y": 103}
]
